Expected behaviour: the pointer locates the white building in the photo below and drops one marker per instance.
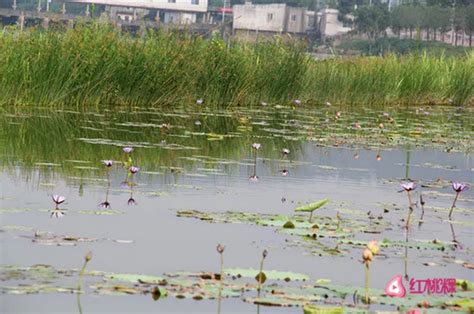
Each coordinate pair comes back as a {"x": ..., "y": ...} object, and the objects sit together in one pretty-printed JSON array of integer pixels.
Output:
[
  {"x": 175, "y": 11},
  {"x": 276, "y": 18},
  {"x": 329, "y": 25}
]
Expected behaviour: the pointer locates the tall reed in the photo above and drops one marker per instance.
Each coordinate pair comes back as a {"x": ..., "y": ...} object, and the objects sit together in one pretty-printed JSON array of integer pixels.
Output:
[{"x": 96, "y": 64}]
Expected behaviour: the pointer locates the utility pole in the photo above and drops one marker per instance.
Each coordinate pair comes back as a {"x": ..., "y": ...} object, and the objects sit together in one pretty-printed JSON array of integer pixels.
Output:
[
  {"x": 453, "y": 33},
  {"x": 223, "y": 12}
]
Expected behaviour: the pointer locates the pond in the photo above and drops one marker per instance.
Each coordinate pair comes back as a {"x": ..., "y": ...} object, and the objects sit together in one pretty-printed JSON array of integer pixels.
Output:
[{"x": 200, "y": 183}]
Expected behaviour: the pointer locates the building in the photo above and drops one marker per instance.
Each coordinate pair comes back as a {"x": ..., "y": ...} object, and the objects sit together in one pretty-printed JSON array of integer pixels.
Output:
[
  {"x": 169, "y": 11},
  {"x": 271, "y": 18},
  {"x": 329, "y": 25}
]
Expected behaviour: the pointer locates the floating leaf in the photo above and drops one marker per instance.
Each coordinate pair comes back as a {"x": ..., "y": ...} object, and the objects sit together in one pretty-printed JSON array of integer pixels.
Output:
[{"x": 313, "y": 206}]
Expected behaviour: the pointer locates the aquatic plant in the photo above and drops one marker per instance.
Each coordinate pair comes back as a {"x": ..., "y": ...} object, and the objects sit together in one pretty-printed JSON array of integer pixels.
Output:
[
  {"x": 261, "y": 277},
  {"x": 458, "y": 188},
  {"x": 87, "y": 259},
  {"x": 107, "y": 163},
  {"x": 312, "y": 207},
  {"x": 422, "y": 204},
  {"x": 220, "y": 249},
  {"x": 371, "y": 249},
  {"x": 133, "y": 169},
  {"x": 409, "y": 187},
  {"x": 127, "y": 149},
  {"x": 58, "y": 199},
  {"x": 157, "y": 69}
]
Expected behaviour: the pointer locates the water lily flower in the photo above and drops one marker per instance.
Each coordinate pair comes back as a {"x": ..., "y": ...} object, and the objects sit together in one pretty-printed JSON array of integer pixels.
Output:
[
  {"x": 133, "y": 169},
  {"x": 256, "y": 146},
  {"x": 328, "y": 103},
  {"x": 57, "y": 213},
  {"x": 220, "y": 248},
  {"x": 58, "y": 199},
  {"x": 381, "y": 126},
  {"x": 367, "y": 256},
  {"x": 357, "y": 126},
  {"x": 197, "y": 123},
  {"x": 107, "y": 163},
  {"x": 356, "y": 156},
  {"x": 131, "y": 202},
  {"x": 104, "y": 205},
  {"x": 263, "y": 103},
  {"x": 284, "y": 172},
  {"x": 386, "y": 114},
  {"x": 338, "y": 114},
  {"x": 285, "y": 151},
  {"x": 373, "y": 247},
  {"x": 378, "y": 157},
  {"x": 199, "y": 101},
  {"x": 253, "y": 178},
  {"x": 408, "y": 186},
  {"x": 460, "y": 187},
  {"x": 127, "y": 149},
  {"x": 296, "y": 102}
]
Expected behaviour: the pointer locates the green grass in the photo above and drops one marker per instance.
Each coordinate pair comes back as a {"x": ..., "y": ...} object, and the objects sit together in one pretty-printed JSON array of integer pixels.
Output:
[
  {"x": 95, "y": 64},
  {"x": 388, "y": 45}
]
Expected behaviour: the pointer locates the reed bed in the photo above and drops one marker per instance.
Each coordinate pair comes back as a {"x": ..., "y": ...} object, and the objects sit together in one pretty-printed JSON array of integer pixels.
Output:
[{"x": 96, "y": 64}]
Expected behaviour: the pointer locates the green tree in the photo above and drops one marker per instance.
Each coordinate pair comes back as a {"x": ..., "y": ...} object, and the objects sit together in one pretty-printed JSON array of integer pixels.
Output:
[
  {"x": 372, "y": 20},
  {"x": 469, "y": 22}
]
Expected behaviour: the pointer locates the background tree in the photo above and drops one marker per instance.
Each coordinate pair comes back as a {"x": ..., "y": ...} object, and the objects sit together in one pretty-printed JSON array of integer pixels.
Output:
[{"x": 469, "y": 22}]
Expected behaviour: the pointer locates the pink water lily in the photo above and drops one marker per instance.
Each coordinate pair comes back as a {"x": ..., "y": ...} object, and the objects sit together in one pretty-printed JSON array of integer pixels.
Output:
[
  {"x": 104, "y": 205},
  {"x": 133, "y": 169},
  {"x": 460, "y": 187},
  {"x": 296, "y": 102},
  {"x": 284, "y": 172},
  {"x": 253, "y": 178},
  {"x": 256, "y": 146},
  {"x": 131, "y": 202},
  {"x": 199, "y": 101},
  {"x": 285, "y": 151},
  {"x": 127, "y": 149},
  {"x": 408, "y": 186},
  {"x": 108, "y": 163},
  {"x": 58, "y": 199}
]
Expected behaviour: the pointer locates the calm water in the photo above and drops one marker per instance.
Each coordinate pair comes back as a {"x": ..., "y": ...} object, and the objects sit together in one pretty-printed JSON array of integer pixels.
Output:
[{"x": 201, "y": 159}]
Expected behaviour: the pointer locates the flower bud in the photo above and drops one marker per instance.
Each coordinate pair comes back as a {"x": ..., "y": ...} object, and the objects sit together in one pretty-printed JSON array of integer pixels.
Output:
[
  {"x": 373, "y": 247},
  {"x": 88, "y": 256},
  {"x": 264, "y": 253},
  {"x": 220, "y": 248},
  {"x": 367, "y": 256}
]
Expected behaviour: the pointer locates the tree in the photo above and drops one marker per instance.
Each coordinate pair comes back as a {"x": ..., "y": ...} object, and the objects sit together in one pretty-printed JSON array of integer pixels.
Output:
[
  {"x": 372, "y": 20},
  {"x": 469, "y": 22}
]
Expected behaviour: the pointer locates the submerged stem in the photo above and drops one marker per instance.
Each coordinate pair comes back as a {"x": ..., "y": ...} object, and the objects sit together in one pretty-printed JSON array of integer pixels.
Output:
[
  {"x": 260, "y": 276},
  {"x": 219, "y": 298},
  {"x": 367, "y": 269}
]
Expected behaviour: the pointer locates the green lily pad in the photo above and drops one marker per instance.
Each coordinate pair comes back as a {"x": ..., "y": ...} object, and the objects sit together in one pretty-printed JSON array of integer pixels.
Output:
[
  {"x": 270, "y": 274},
  {"x": 313, "y": 206}
]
